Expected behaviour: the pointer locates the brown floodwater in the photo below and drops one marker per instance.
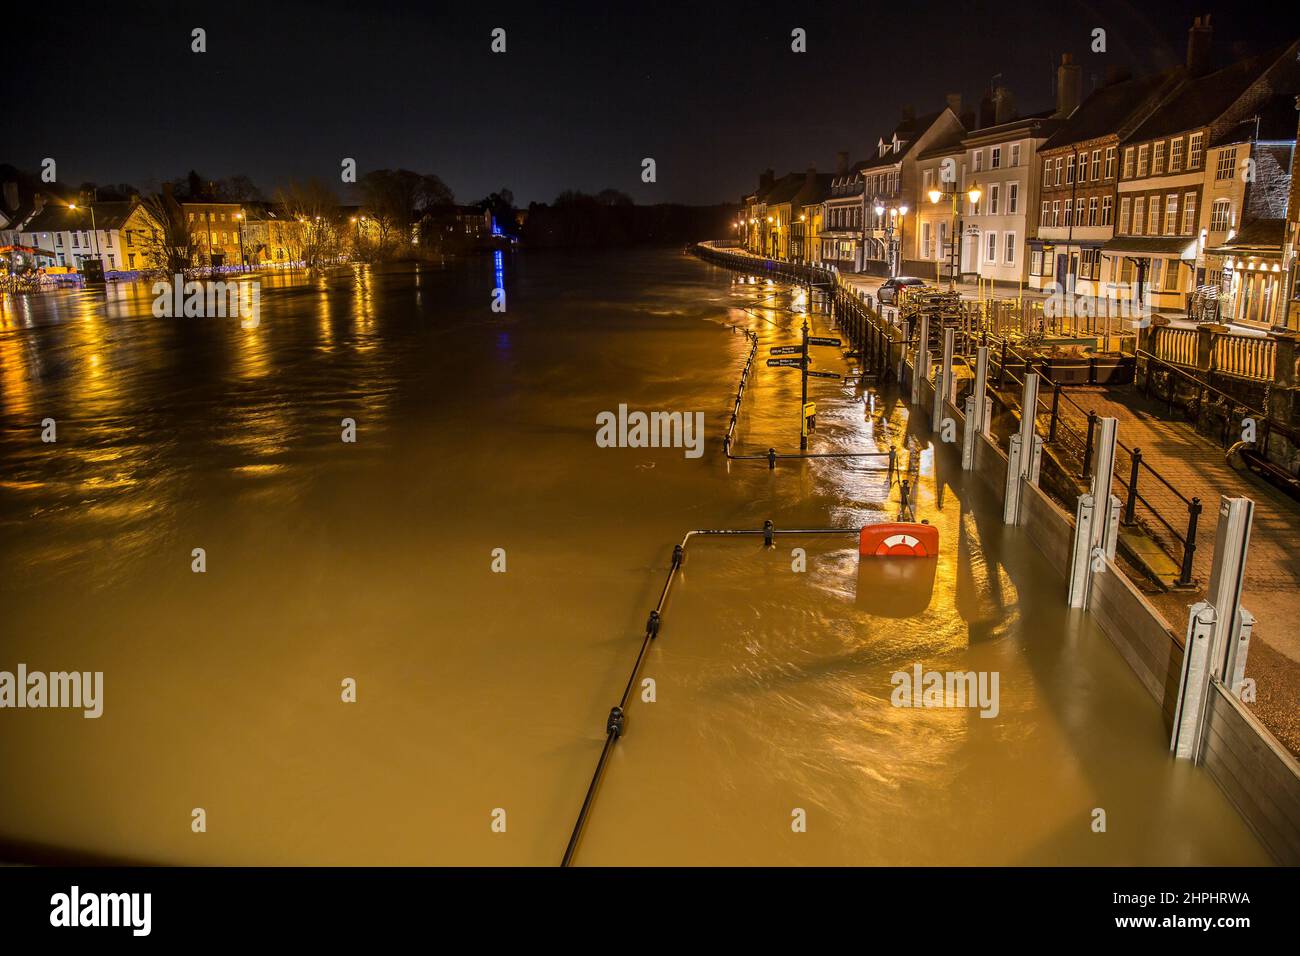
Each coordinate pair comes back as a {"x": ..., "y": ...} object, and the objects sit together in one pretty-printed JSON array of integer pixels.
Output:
[{"x": 480, "y": 691}]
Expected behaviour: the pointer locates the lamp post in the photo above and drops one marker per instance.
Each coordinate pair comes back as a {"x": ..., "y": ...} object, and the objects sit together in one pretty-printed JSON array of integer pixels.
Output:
[
  {"x": 936, "y": 196},
  {"x": 239, "y": 226}
]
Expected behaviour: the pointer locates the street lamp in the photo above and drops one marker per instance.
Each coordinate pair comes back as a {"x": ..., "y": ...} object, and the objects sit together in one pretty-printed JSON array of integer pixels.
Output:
[
  {"x": 94, "y": 237},
  {"x": 936, "y": 195}
]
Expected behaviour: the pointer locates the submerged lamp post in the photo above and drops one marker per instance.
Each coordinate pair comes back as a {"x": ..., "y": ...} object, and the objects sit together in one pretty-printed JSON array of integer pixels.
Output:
[{"x": 936, "y": 196}]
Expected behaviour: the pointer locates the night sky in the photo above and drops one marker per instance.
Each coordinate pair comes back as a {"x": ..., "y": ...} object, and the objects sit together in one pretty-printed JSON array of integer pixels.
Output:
[{"x": 711, "y": 91}]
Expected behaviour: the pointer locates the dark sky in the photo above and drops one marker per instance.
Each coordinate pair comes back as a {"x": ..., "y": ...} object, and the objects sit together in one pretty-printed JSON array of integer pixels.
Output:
[{"x": 711, "y": 91}]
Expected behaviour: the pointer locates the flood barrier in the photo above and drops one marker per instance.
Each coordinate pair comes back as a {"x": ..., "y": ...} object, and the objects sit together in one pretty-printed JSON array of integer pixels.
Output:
[{"x": 615, "y": 722}]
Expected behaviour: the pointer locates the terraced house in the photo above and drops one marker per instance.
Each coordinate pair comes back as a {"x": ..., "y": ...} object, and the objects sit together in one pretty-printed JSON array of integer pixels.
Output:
[
  {"x": 1163, "y": 224},
  {"x": 1079, "y": 173},
  {"x": 891, "y": 185}
]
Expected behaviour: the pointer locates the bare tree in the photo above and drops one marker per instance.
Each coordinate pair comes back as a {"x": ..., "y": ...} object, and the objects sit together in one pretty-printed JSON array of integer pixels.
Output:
[
  {"x": 168, "y": 246},
  {"x": 315, "y": 227}
]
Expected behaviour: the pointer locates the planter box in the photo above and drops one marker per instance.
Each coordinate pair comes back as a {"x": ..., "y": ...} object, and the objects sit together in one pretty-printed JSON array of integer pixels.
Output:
[
  {"x": 1113, "y": 369},
  {"x": 1065, "y": 371}
]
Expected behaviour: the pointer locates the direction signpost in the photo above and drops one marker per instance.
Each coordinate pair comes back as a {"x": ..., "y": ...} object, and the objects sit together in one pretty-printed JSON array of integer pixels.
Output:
[{"x": 802, "y": 363}]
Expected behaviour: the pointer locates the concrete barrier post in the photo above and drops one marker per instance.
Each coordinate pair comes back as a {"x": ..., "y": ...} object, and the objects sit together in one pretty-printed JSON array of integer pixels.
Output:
[
  {"x": 978, "y": 409},
  {"x": 921, "y": 364},
  {"x": 1096, "y": 527},
  {"x": 943, "y": 381}
]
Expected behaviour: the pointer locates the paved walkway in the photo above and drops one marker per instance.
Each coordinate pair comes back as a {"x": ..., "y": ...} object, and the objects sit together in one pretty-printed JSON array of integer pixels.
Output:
[{"x": 1196, "y": 466}]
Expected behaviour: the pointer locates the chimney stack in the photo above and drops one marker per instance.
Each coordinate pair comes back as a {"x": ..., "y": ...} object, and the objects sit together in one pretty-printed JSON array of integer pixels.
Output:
[
  {"x": 1069, "y": 86},
  {"x": 841, "y": 162},
  {"x": 1004, "y": 106},
  {"x": 1198, "y": 46},
  {"x": 954, "y": 103}
]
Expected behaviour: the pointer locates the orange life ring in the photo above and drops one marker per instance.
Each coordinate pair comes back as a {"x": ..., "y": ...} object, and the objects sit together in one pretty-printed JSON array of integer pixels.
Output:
[{"x": 899, "y": 539}]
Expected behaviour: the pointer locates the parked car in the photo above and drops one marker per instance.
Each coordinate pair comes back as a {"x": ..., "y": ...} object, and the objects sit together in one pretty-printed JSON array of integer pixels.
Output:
[{"x": 888, "y": 292}]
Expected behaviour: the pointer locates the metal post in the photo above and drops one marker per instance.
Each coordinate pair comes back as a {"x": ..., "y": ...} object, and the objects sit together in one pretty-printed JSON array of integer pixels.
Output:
[
  {"x": 1131, "y": 504},
  {"x": 1087, "y": 448},
  {"x": 977, "y": 409},
  {"x": 803, "y": 401},
  {"x": 1189, "y": 546},
  {"x": 1056, "y": 405},
  {"x": 1095, "y": 540},
  {"x": 921, "y": 363},
  {"x": 1227, "y": 574},
  {"x": 1185, "y": 743}
]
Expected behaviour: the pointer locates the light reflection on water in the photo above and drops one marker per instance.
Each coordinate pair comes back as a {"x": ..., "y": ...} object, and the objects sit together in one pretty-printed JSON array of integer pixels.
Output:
[{"x": 476, "y": 690}]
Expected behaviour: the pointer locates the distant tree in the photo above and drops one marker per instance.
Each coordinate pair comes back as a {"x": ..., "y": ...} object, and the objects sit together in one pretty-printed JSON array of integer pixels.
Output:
[
  {"x": 612, "y": 197},
  {"x": 315, "y": 229},
  {"x": 397, "y": 199},
  {"x": 238, "y": 188}
]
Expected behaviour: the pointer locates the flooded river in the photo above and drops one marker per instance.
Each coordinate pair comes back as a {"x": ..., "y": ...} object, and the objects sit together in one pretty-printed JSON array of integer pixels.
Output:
[{"x": 479, "y": 691}]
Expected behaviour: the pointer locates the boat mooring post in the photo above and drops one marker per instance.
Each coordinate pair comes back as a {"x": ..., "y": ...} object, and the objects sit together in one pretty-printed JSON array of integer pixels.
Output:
[
  {"x": 979, "y": 409},
  {"x": 1025, "y": 452},
  {"x": 943, "y": 381},
  {"x": 1096, "y": 526},
  {"x": 1218, "y": 631}
]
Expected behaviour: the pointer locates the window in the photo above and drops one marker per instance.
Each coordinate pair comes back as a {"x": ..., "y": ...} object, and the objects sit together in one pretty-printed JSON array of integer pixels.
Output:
[
  {"x": 1069, "y": 213},
  {"x": 1015, "y": 154},
  {"x": 1059, "y": 162},
  {"x": 1009, "y": 250},
  {"x": 1171, "y": 214},
  {"x": 1035, "y": 262},
  {"x": 1123, "y": 215},
  {"x": 1069, "y": 169},
  {"x": 1153, "y": 273},
  {"x": 1189, "y": 213},
  {"x": 1176, "y": 155},
  {"x": 1013, "y": 198},
  {"x": 1153, "y": 216},
  {"x": 1227, "y": 162},
  {"x": 925, "y": 240},
  {"x": 1056, "y": 212},
  {"x": 991, "y": 247},
  {"x": 1172, "y": 275},
  {"x": 1092, "y": 211},
  {"x": 996, "y": 158},
  {"x": 1090, "y": 265},
  {"x": 1047, "y": 172},
  {"x": 1096, "y": 165},
  {"x": 1080, "y": 205},
  {"x": 1220, "y": 215},
  {"x": 58, "y": 240},
  {"x": 1194, "y": 151},
  {"x": 1043, "y": 215},
  {"x": 1128, "y": 163},
  {"x": 1139, "y": 215},
  {"x": 1143, "y": 152},
  {"x": 1107, "y": 210},
  {"x": 1110, "y": 162},
  {"x": 979, "y": 160},
  {"x": 994, "y": 199},
  {"x": 1158, "y": 159}
]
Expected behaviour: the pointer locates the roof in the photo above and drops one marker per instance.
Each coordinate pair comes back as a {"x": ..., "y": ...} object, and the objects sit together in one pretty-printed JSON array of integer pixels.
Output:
[
  {"x": 1274, "y": 121},
  {"x": 1109, "y": 109},
  {"x": 56, "y": 217},
  {"x": 1265, "y": 234},
  {"x": 908, "y": 131},
  {"x": 1201, "y": 100}
]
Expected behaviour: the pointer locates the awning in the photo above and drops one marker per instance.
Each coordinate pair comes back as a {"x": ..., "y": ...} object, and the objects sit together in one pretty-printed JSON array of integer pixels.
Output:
[{"x": 1182, "y": 247}]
